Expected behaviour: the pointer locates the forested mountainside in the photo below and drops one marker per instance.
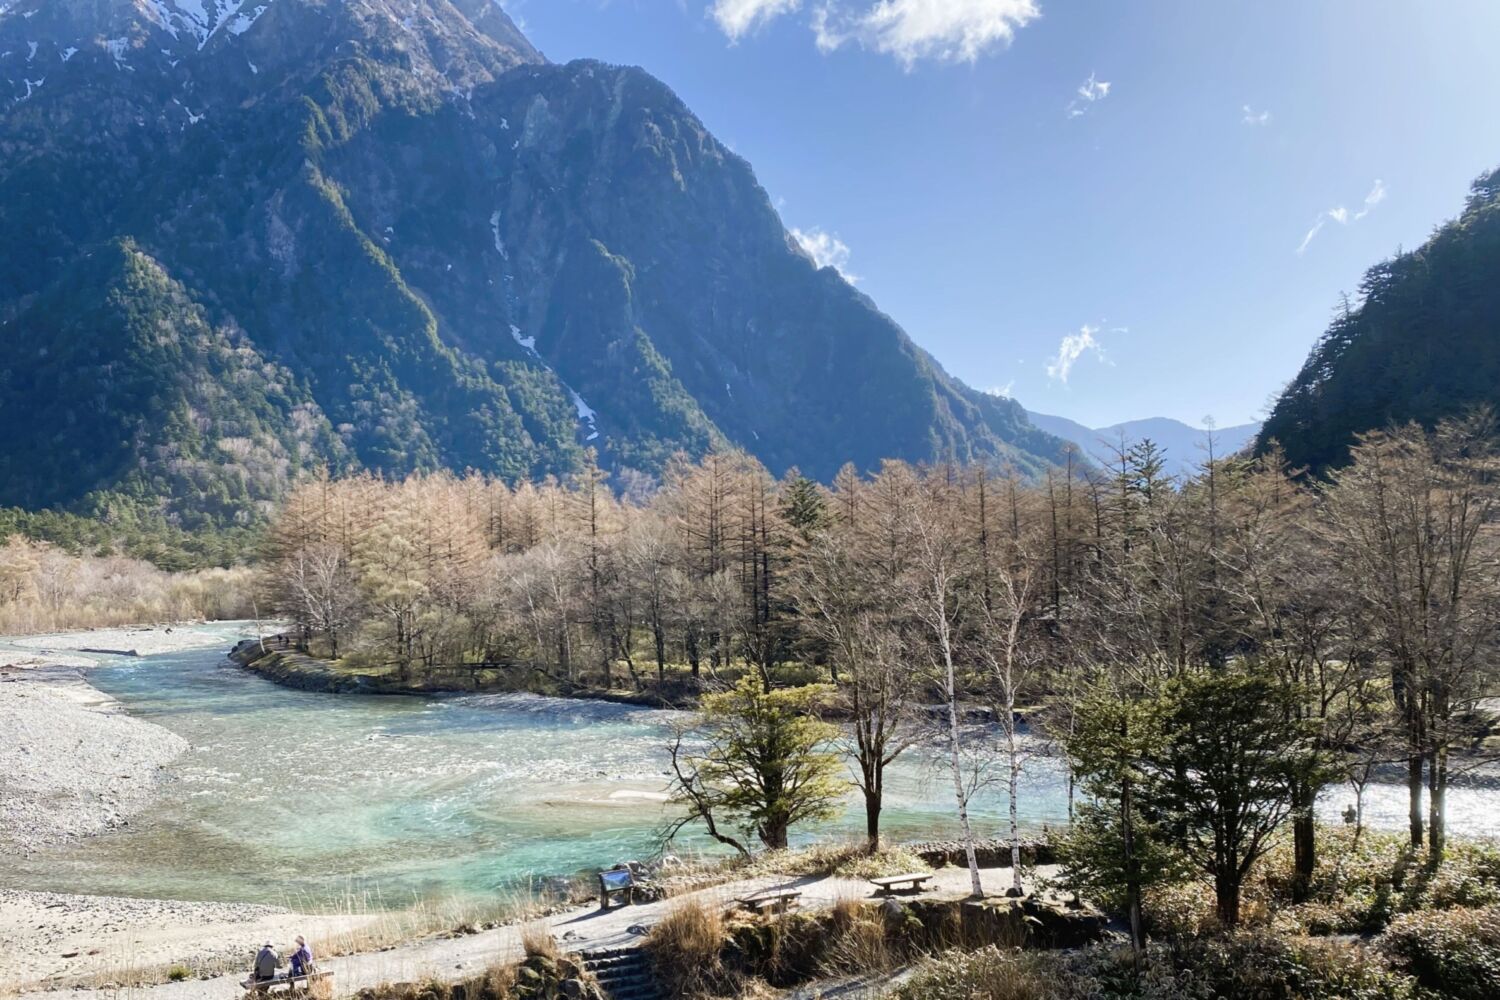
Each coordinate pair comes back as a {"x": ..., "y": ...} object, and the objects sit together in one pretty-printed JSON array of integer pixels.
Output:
[
  {"x": 246, "y": 238},
  {"x": 1420, "y": 342}
]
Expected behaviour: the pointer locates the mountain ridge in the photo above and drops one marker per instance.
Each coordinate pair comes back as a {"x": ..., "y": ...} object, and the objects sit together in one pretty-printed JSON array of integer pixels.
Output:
[
  {"x": 1184, "y": 444},
  {"x": 1417, "y": 343},
  {"x": 452, "y": 253}
]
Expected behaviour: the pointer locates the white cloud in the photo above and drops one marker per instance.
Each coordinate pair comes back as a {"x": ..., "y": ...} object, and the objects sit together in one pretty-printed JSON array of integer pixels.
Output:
[
  {"x": 1073, "y": 347},
  {"x": 1375, "y": 197},
  {"x": 826, "y": 250},
  {"x": 1090, "y": 92},
  {"x": 952, "y": 31},
  {"x": 737, "y": 18},
  {"x": 1312, "y": 233},
  {"x": 1342, "y": 216},
  {"x": 1255, "y": 117},
  {"x": 1001, "y": 391}
]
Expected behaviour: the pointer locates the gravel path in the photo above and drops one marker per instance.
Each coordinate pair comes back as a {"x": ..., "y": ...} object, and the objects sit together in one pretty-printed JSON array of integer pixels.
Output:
[
  {"x": 48, "y": 937},
  {"x": 585, "y": 928}
]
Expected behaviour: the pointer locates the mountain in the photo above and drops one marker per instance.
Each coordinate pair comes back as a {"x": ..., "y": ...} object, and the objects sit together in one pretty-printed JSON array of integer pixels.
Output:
[
  {"x": 1420, "y": 342},
  {"x": 1183, "y": 444},
  {"x": 247, "y": 238}
]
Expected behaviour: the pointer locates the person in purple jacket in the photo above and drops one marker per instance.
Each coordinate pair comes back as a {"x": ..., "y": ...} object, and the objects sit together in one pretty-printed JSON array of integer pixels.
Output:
[{"x": 302, "y": 958}]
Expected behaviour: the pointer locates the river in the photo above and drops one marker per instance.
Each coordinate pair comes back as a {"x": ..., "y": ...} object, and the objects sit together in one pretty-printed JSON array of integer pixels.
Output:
[{"x": 309, "y": 799}]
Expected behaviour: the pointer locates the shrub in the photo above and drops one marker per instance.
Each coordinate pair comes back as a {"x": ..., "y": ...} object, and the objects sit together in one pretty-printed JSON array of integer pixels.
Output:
[
  {"x": 177, "y": 973},
  {"x": 1455, "y": 952},
  {"x": 990, "y": 973},
  {"x": 887, "y": 861},
  {"x": 1259, "y": 964},
  {"x": 1360, "y": 888}
]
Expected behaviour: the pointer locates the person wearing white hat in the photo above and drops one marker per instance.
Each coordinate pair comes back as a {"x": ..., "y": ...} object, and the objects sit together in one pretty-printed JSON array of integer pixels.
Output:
[{"x": 266, "y": 963}]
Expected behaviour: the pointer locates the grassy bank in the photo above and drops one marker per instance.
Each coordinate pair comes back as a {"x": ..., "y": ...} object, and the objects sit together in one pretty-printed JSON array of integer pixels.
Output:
[{"x": 278, "y": 659}]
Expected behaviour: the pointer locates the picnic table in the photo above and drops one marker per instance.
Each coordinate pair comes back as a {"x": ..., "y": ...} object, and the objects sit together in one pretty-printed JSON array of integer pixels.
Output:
[
  {"x": 774, "y": 900},
  {"x": 319, "y": 984},
  {"x": 891, "y": 884}
]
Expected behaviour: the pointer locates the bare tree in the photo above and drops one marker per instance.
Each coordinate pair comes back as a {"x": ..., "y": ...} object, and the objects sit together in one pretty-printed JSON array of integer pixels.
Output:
[
  {"x": 935, "y": 600},
  {"x": 851, "y": 618}
]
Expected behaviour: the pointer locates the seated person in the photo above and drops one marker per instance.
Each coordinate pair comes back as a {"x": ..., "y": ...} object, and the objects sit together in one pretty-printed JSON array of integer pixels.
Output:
[
  {"x": 266, "y": 963},
  {"x": 302, "y": 960}
]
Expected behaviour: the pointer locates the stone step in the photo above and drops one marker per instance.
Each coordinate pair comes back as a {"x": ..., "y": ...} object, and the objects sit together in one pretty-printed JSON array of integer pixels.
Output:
[
  {"x": 622, "y": 973},
  {"x": 614, "y": 960}
]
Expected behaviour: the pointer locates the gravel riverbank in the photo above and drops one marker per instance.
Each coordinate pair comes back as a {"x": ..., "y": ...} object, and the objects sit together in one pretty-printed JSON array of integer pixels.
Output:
[{"x": 73, "y": 764}]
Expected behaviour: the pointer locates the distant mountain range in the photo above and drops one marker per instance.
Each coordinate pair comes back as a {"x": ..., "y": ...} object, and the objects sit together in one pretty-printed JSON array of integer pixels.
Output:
[
  {"x": 1185, "y": 445},
  {"x": 240, "y": 239},
  {"x": 1420, "y": 341}
]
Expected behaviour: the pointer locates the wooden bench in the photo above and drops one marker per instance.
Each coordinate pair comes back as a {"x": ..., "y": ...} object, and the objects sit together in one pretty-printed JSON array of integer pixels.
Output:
[
  {"x": 617, "y": 882},
  {"x": 316, "y": 983},
  {"x": 773, "y": 900},
  {"x": 891, "y": 884}
]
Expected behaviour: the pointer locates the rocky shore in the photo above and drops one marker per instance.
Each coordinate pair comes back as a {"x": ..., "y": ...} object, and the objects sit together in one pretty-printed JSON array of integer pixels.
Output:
[{"x": 72, "y": 763}]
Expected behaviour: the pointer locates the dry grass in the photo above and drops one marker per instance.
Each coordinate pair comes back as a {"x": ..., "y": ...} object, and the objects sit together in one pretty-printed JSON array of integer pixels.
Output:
[
  {"x": 858, "y": 940},
  {"x": 360, "y": 923},
  {"x": 537, "y": 940},
  {"x": 370, "y": 924},
  {"x": 986, "y": 974},
  {"x": 686, "y": 947}
]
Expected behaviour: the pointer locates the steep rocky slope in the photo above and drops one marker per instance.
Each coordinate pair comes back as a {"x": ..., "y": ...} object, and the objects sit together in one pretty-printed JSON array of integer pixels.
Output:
[{"x": 243, "y": 238}]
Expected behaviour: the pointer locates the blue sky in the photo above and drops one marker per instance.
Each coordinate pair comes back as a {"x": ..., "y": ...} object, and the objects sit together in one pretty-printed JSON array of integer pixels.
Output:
[{"x": 1103, "y": 208}]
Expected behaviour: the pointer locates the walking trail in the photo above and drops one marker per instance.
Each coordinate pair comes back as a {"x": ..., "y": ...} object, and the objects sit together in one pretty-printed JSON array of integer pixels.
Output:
[{"x": 581, "y": 929}]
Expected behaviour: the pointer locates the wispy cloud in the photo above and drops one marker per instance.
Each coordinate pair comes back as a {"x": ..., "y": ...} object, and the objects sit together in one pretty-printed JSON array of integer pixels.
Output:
[
  {"x": 826, "y": 250},
  {"x": 1073, "y": 347},
  {"x": 1002, "y": 391},
  {"x": 737, "y": 18},
  {"x": 1375, "y": 197},
  {"x": 1090, "y": 92},
  {"x": 1342, "y": 215},
  {"x": 1252, "y": 117}
]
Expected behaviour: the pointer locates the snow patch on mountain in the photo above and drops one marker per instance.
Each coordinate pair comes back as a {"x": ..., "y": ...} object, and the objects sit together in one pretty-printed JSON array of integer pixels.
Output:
[
  {"x": 202, "y": 19},
  {"x": 586, "y": 414},
  {"x": 495, "y": 229},
  {"x": 527, "y": 342}
]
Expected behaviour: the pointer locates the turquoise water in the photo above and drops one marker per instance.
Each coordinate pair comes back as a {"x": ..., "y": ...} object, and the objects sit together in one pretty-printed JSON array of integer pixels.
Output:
[{"x": 291, "y": 797}]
